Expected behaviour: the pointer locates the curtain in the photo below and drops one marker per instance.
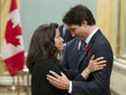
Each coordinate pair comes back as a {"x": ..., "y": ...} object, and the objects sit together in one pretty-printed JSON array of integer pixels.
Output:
[
  {"x": 4, "y": 8},
  {"x": 106, "y": 13},
  {"x": 122, "y": 28}
]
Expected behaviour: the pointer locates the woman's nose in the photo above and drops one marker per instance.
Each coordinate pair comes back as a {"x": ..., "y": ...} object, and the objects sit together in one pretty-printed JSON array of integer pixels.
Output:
[{"x": 61, "y": 39}]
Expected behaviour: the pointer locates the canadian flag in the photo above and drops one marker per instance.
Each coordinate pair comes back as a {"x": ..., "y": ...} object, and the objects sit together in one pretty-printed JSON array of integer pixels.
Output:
[{"x": 13, "y": 49}]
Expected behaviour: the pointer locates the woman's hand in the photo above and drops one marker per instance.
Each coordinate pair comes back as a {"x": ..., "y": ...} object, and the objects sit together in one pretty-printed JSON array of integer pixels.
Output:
[{"x": 94, "y": 65}]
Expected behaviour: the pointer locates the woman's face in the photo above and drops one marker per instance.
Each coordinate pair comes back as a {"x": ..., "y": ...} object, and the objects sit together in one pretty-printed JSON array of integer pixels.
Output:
[{"x": 58, "y": 40}]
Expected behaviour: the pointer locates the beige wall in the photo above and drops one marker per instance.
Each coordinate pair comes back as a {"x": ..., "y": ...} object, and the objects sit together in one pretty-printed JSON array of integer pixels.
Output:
[
  {"x": 111, "y": 16},
  {"x": 122, "y": 27},
  {"x": 106, "y": 19},
  {"x": 4, "y": 4}
]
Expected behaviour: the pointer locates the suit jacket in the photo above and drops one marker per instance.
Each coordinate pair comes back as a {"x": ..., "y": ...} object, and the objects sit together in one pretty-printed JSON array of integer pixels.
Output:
[{"x": 74, "y": 62}]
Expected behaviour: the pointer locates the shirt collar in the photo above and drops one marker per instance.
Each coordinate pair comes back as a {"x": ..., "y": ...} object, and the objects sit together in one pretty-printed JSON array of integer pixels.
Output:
[{"x": 91, "y": 35}]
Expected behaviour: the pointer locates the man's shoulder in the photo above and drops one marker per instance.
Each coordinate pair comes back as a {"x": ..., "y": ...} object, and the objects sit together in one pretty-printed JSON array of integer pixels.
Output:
[{"x": 101, "y": 39}]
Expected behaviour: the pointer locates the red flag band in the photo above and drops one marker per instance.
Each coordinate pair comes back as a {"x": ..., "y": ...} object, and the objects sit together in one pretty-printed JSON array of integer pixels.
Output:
[{"x": 13, "y": 50}]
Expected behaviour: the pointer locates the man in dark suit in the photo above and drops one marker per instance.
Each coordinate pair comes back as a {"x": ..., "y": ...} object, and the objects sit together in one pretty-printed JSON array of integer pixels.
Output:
[{"x": 90, "y": 41}]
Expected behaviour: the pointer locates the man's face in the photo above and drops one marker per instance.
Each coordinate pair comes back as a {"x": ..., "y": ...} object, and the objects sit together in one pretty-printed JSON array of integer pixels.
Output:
[
  {"x": 78, "y": 31},
  {"x": 58, "y": 40}
]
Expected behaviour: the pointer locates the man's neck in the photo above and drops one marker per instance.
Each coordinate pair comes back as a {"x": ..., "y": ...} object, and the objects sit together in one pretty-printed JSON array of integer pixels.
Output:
[{"x": 91, "y": 29}]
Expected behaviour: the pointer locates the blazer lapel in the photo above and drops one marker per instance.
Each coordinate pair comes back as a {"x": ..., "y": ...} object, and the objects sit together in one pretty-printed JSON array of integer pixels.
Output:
[{"x": 88, "y": 49}]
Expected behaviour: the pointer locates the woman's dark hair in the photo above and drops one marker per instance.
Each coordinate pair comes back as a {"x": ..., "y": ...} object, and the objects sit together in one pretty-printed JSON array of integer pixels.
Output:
[
  {"x": 42, "y": 44},
  {"x": 78, "y": 14}
]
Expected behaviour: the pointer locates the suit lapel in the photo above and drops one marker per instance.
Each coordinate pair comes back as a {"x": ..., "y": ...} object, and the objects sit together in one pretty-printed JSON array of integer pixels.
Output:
[
  {"x": 88, "y": 50},
  {"x": 74, "y": 54}
]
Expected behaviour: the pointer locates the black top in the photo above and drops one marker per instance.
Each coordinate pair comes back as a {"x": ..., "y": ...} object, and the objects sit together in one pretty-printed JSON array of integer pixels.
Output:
[{"x": 40, "y": 85}]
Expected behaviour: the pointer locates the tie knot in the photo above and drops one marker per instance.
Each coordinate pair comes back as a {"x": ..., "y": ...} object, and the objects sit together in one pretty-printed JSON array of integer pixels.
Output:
[{"x": 83, "y": 44}]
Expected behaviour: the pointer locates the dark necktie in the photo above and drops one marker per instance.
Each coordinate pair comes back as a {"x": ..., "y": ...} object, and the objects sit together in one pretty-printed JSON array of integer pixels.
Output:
[{"x": 82, "y": 46}]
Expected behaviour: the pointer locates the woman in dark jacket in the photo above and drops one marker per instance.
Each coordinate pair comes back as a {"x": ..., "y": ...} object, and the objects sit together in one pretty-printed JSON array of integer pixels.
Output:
[{"x": 42, "y": 58}]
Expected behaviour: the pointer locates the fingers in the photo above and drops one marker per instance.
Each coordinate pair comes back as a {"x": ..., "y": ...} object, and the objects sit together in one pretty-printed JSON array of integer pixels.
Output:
[
  {"x": 99, "y": 59},
  {"x": 63, "y": 75},
  {"x": 92, "y": 57},
  {"x": 96, "y": 64},
  {"x": 54, "y": 74},
  {"x": 102, "y": 62},
  {"x": 54, "y": 81},
  {"x": 99, "y": 67},
  {"x": 53, "y": 78},
  {"x": 60, "y": 82},
  {"x": 99, "y": 62},
  {"x": 50, "y": 77}
]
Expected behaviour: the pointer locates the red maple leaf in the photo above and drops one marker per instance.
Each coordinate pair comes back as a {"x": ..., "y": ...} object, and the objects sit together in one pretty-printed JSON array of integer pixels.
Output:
[{"x": 12, "y": 33}]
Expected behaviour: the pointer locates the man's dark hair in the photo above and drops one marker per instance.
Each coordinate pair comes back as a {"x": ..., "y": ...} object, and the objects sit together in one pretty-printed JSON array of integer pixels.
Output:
[{"x": 78, "y": 14}]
